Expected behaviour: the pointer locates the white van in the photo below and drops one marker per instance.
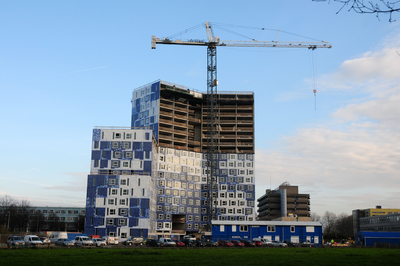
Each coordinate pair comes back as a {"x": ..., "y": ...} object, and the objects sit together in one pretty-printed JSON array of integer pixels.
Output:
[
  {"x": 32, "y": 240},
  {"x": 83, "y": 241},
  {"x": 167, "y": 242},
  {"x": 56, "y": 235}
]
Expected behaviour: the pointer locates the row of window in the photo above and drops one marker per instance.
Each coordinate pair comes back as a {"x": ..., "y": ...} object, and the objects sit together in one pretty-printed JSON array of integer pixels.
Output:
[
  {"x": 179, "y": 168},
  {"x": 58, "y": 211},
  {"x": 233, "y": 172},
  {"x": 167, "y": 225},
  {"x": 180, "y": 153},
  {"x": 235, "y": 218},
  {"x": 176, "y": 184},
  {"x": 180, "y": 160},
  {"x": 114, "y": 182},
  {"x": 61, "y": 219},
  {"x": 124, "y": 135}
]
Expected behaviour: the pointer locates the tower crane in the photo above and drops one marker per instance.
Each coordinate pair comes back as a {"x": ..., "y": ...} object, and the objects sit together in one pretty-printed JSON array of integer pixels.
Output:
[{"x": 212, "y": 82}]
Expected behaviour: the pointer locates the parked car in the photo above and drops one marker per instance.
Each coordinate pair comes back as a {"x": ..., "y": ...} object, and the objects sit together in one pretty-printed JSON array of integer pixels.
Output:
[
  {"x": 178, "y": 243},
  {"x": 199, "y": 243},
  {"x": 210, "y": 243},
  {"x": 15, "y": 241},
  {"x": 265, "y": 242},
  {"x": 290, "y": 243},
  {"x": 237, "y": 243},
  {"x": 278, "y": 244},
  {"x": 152, "y": 243},
  {"x": 225, "y": 243},
  {"x": 306, "y": 244},
  {"x": 65, "y": 242},
  {"x": 98, "y": 242},
  {"x": 188, "y": 242},
  {"x": 137, "y": 241},
  {"x": 83, "y": 241},
  {"x": 248, "y": 243},
  {"x": 45, "y": 240},
  {"x": 32, "y": 240},
  {"x": 258, "y": 243}
]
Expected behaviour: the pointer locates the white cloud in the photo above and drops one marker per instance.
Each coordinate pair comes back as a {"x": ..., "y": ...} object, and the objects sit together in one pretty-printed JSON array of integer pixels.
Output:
[{"x": 353, "y": 159}]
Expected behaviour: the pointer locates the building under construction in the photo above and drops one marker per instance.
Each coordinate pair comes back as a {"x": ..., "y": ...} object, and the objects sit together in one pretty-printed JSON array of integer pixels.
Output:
[{"x": 152, "y": 179}]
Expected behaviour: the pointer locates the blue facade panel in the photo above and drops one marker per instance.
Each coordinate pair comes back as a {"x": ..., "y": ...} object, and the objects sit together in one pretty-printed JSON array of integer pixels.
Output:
[
  {"x": 147, "y": 146},
  {"x": 103, "y": 163},
  {"x": 145, "y": 203},
  {"x": 147, "y": 166},
  {"x": 96, "y": 134},
  {"x": 104, "y": 145},
  {"x": 106, "y": 155},
  {"x": 135, "y": 212},
  {"x": 102, "y": 192},
  {"x": 96, "y": 155}
]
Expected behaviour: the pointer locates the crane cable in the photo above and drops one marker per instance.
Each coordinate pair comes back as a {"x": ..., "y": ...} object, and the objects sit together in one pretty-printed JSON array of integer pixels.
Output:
[{"x": 313, "y": 67}]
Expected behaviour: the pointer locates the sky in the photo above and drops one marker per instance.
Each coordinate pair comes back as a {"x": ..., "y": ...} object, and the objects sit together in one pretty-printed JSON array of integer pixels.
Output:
[{"x": 68, "y": 66}]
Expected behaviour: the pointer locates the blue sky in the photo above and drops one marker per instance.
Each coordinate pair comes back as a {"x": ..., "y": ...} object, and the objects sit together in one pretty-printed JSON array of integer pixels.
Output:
[{"x": 67, "y": 66}]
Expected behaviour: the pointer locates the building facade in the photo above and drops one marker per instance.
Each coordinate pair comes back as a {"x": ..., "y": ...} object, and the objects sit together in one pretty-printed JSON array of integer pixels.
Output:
[
  {"x": 284, "y": 201},
  {"x": 294, "y": 231},
  {"x": 376, "y": 219},
  {"x": 166, "y": 149}
]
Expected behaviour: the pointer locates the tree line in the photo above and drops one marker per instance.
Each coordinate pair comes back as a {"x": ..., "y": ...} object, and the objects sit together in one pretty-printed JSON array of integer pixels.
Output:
[
  {"x": 20, "y": 216},
  {"x": 335, "y": 226}
]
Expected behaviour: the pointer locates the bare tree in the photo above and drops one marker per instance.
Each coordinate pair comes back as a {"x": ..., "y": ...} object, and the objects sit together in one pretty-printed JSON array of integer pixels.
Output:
[
  {"x": 315, "y": 217},
  {"x": 344, "y": 226},
  {"x": 329, "y": 224},
  {"x": 376, "y": 7},
  {"x": 14, "y": 214}
]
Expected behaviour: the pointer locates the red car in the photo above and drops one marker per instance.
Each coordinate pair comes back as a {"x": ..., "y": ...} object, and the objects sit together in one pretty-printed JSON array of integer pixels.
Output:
[
  {"x": 237, "y": 243},
  {"x": 248, "y": 243},
  {"x": 258, "y": 243},
  {"x": 225, "y": 243},
  {"x": 179, "y": 243}
]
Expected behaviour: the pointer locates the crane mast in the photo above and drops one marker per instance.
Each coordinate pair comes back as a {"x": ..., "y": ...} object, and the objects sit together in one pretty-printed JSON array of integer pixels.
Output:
[{"x": 211, "y": 97}]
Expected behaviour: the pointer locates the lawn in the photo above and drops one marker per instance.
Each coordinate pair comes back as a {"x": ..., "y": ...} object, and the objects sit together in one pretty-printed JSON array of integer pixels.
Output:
[{"x": 199, "y": 256}]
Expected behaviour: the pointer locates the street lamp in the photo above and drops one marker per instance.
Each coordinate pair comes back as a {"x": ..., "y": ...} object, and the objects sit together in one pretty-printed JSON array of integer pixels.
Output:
[{"x": 8, "y": 223}]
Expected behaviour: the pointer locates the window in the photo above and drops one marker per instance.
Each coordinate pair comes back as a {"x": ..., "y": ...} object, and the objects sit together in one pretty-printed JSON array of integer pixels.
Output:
[
  {"x": 122, "y": 201},
  {"x": 123, "y": 182},
  {"x": 271, "y": 228},
  {"x": 126, "y": 145},
  {"x": 115, "y": 145},
  {"x": 243, "y": 228},
  {"x": 114, "y": 163},
  {"x": 111, "y": 201},
  {"x": 112, "y": 211},
  {"x": 114, "y": 191},
  {"x": 125, "y": 192},
  {"x": 160, "y": 216},
  {"x": 110, "y": 221},
  {"x": 292, "y": 229},
  {"x": 117, "y": 135},
  {"x": 123, "y": 212},
  {"x": 128, "y": 155},
  {"x": 128, "y": 136},
  {"x": 112, "y": 181},
  {"x": 121, "y": 222}
]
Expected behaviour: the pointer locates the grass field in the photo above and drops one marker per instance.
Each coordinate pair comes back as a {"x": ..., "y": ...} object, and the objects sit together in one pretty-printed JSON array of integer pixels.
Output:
[{"x": 199, "y": 256}]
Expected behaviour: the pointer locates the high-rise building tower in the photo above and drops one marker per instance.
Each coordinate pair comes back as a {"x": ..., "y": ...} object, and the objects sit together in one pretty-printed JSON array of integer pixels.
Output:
[{"x": 169, "y": 151}]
